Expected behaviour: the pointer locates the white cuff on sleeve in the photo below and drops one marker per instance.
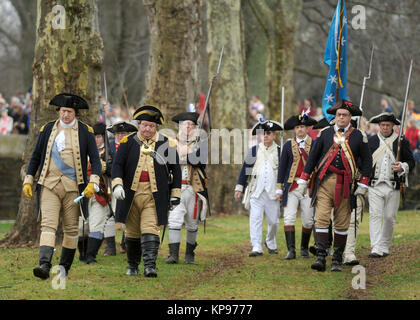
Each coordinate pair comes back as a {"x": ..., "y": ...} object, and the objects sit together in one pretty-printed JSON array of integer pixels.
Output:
[{"x": 301, "y": 181}]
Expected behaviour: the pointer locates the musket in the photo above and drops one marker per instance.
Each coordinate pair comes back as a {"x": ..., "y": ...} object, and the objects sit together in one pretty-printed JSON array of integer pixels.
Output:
[
  {"x": 358, "y": 123},
  {"x": 106, "y": 150},
  {"x": 203, "y": 113},
  {"x": 282, "y": 119},
  {"x": 403, "y": 120},
  {"x": 364, "y": 85}
]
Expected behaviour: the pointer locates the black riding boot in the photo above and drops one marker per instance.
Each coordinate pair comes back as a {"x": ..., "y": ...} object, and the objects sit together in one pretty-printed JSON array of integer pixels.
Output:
[
  {"x": 110, "y": 249},
  {"x": 339, "y": 245},
  {"x": 82, "y": 244},
  {"x": 150, "y": 246},
  {"x": 92, "y": 250},
  {"x": 291, "y": 247},
  {"x": 304, "y": 243},
  {"x": 66, "y": 259},
  {"x": 321, "y": 245},
  {"x": 173, "y": 253},
  {"x": 133, "y": 247},
  {"x": 45, "y": 256},
  {"x": 189, "y": 253}
]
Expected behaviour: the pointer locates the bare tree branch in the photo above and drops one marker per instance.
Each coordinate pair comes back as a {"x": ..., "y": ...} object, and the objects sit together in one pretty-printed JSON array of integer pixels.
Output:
[{"x": 263, "y": 15}]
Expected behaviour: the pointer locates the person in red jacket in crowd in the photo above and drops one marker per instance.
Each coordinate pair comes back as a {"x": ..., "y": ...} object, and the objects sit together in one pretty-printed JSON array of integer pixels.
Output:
[{"x": 412, "y": 133}]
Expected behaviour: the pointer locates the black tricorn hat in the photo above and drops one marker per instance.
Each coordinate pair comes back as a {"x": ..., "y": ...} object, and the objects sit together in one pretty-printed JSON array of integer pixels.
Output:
[
  {"x": 321, "y": 124},
  {"x": 99, "y": 128},
  {"x": 386, "y": 116},
  {"x": 183, "y": 116},
  {"x": 267, "y": 125},
  {"x": 122, "y": 126},
  {"x": 149, "y": 113},
  {"x": 299, "y": 120},
  {"x": 347, "y": 105},
  {"x": 69, "y": 100}
]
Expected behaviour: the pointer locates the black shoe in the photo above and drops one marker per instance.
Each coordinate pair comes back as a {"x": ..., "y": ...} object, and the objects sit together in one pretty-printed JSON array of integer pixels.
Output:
[
  {"x": 189, "y": 253},
  {"x": 82, "y": 246},
  {"x": 92, "y": 250},
  {"x": 290, "y": 242},
  {"x": 375, "y": 255},
  {"x": 66, "y": 259},
  {"x": 352, "y": 263},
  {"x": 255, "y": 254},
  {"x": 385, "y": 255},
  {"x": 150, "y": 246},
  {"x": 45, "y": 256},
  {"x": 173, "y": 253},
  {"x": 133, "y": 246},
  {"x": 271, "y": 251},
  {"x": 110, "y": 249}
]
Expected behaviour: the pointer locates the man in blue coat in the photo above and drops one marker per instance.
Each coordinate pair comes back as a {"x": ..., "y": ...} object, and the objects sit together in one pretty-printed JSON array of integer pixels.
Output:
[
  {"x": 294, "y": 155},
  {"x": 146, "y": 180},
  {"x": 61, "y": 153},
  {"x": 340, "y": 154}
]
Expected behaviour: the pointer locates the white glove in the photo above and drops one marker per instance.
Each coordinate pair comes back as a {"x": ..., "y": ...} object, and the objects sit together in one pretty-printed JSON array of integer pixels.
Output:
[
  {"x": 360, "y": 191},
  {"x": 119, "y": 192},
  {"x": 301, "y": 189}
]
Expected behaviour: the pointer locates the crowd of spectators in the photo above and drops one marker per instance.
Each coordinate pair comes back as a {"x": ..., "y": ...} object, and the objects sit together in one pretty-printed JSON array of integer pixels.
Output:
[{"x": 15, "y": 114}]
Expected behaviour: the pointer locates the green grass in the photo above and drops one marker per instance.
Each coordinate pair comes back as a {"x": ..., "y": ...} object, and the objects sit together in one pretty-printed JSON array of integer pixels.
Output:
[{"x": 223, "y": 270}]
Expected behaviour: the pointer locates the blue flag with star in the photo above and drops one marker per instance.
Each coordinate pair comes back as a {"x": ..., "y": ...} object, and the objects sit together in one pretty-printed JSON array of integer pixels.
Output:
[{"x": 336, "y": 49}]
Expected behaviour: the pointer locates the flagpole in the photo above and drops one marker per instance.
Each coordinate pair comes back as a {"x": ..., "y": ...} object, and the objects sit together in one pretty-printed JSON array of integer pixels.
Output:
[{"x": 339, "y": 50}]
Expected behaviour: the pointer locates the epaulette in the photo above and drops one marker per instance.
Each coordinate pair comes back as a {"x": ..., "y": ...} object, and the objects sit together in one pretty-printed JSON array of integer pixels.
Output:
[
  {"x": 365, "y": 138},
  {"x": 319, "y": 133},
  {"x": 90, "y": 129},
  {"x": 42, "y": 128},
  {"x": 125, "y": 139},
  {"x": 171, "y": 141}
]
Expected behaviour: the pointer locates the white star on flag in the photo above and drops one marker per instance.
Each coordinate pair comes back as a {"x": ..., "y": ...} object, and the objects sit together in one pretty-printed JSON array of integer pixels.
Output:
[
  {"x": 333, "y": 79},
  {"x": 342, "y": 41},
  {"x": 344, "y": 20},
  {"x": 329, "y": 97}
]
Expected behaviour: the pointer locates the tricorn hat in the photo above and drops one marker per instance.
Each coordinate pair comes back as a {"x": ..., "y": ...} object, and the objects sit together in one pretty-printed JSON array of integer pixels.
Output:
[
  {"x": 99, "y": 128},
  {"x": 122, "y": 126},
  {"x": 321, "y": 124},
  {"x": 68, "y": 100},
  {"x": 149, "y": 113},
  {"x": 183, "y": 116},
  {"x": 386, "y": 116},
  {"x": 298, "y": 120},
  {"x": 267, "y": 125},
  {"x": 347, "y": 105}
]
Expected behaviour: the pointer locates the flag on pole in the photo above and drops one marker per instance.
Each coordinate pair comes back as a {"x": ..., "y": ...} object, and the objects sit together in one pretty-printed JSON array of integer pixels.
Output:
[{"x": 335, "y": 58}]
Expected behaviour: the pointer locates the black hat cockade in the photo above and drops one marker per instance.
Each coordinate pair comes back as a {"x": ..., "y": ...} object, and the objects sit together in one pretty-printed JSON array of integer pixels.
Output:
[{"x": 149, "y": 113}]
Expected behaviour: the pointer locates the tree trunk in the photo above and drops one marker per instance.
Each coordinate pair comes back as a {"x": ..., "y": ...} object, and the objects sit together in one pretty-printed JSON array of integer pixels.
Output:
[
  {"x": 228, "y": 103},
  {"x": 66, "y": 60},
  {"x": 172, "y": 81},
  {"x": 280, "y": 26}
]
